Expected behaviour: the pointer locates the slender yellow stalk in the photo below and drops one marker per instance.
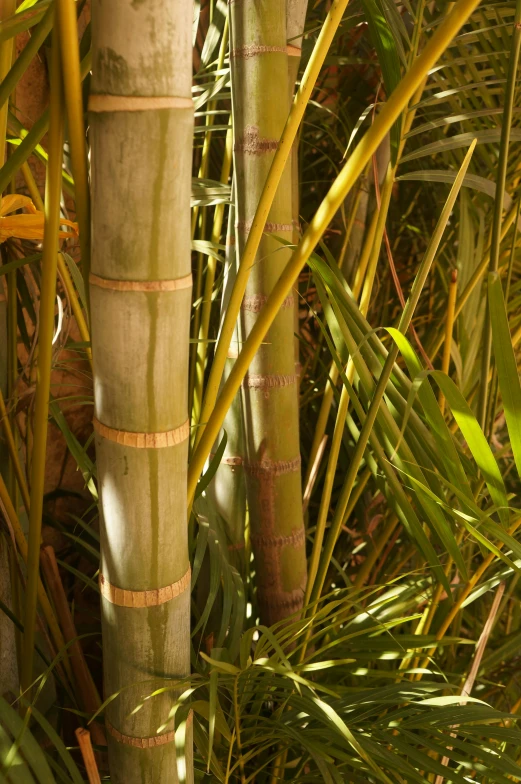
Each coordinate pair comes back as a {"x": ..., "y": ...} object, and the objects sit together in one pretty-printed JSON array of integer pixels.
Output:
[
  {"x": 385, "y": 537},
  {"x": 70, "y": 53},
  {"x": 474, "y": 280},
  {"x": 495, "y": 242},
  {"x": 449, "y": 327},
  {"x": 46, "y": 331},
  {"x": 337, "y": 193},
  {"x": 278, "y": 164},
  {"x": 206, "y": 305},
  {"x": 62, "y": 267},
  {"x": 75, "y": 304},
  {"x": 21, "y": 543},
  {"x": 13, "y": 452},
  {"x": 200, "y": 291},
  {"x": 467, "y": 590}
]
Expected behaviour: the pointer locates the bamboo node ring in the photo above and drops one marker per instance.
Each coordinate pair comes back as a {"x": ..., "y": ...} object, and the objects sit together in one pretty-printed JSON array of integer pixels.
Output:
[
  {"x": 256, "y": 302},
  {"x": 273, "y": 467},
  {"x": 141, "y": 599},
  {"x": 143, "y": 440},
  {"x": 137, "y": 103},
  {"x": 267, "y": 382},
  {"x": 141, "y": 285},
  {"x": 144, "y": 743}
]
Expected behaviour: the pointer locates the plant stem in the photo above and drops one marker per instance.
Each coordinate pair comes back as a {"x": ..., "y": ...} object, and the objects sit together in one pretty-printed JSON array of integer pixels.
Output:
[
  {"x": 501, "y": 178},
  {"x": 46, "y": 331},
  {"x": 278, "y": 164},
  {"x": 140, "y": 324},
  {"x": 449, "y": 327},
  {"x": 346, "y": 179},
  {"x": 70, "y": 52}
]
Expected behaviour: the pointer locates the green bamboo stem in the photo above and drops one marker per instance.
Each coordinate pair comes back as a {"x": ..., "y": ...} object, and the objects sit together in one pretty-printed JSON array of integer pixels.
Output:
[
  {"x": 206, "y": 306},
  {"x": 140, "y": 325},
  {"x": 227, "y": 491},
  {"x": 70, "y": 52},
  {"x": 8, "y": 635},
  {"x": 46, "y": 331},
  {"x": 295, "y": 22},
  {"x": 346, "y": 179},
  {"x": 196, "y": 371},
  {"x": 259, "y": 71},
  {"x": 329, "y": 28},
  {"x": 495, "y": 243}
]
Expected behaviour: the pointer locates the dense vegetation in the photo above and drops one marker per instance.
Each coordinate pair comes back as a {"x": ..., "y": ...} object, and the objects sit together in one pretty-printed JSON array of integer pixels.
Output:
[{"x": 260, "y": 315}]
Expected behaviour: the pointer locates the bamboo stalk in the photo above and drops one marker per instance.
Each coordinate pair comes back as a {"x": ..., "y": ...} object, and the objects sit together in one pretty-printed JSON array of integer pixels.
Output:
[
  {"x": 403, "y": 326},
  {"x": 70, "y": 53},
  {"x": 259, "y": 71},
  {"x": 86, "y": 689},
  {"x": 285, "y": 145},
  {"x": 8, "y": 576},
  {"x": 337, "y": 193},
  {"x": 449, "y": 327},
  {"x": 140, "y": 323},
  {"x": 21, "y": 543},
  {"x": 87, "y": 752},
  {"x": 46, "y": 331},
  {"x": 206, "y": 306},
  {"x": 62, "y": 267},
  {"x": 13, "y": 453},
  {"x": 495, "y": 243}
]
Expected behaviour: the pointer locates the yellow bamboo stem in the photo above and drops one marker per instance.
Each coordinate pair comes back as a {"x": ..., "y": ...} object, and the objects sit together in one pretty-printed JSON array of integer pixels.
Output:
[
  {"x": 449, "y": 326},
  {"x": 394, "y": 106},
  {"x": 21, "y": 543}
]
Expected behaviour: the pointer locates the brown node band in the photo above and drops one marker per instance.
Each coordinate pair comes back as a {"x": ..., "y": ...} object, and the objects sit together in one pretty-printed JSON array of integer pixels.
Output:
[
  {"x": 294, "y": 51},
  {"x": 140, "y": 599},
  {"x": 252, "y": 142},
  {"x": 295, "y": 539},
  {"x": 137, "y": 103},
  {"x": 231, "y": 461},
  {"x": 256, "y": 302},
  {"x": 269, "y": 226},
  {"x": 141, "y": 285},
  {"x": 252, "y": 381},
  {"x": 273, "y": 467},
  {"x": 143, "y": 440},
  {"x": 232, "y": 548},
  {"x": 144, "y": 743},
  {"x": 252, "y": 50}
]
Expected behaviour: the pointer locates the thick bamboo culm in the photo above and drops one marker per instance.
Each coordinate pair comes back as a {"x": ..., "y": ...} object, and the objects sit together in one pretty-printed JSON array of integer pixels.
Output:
[
  {"x": 140, "y": 311},
  {"x": 259, "y": 68}
]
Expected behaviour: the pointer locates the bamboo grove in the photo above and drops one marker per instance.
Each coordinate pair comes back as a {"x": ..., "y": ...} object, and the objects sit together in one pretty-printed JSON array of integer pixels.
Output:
[{"x": 260, "y": 444}]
